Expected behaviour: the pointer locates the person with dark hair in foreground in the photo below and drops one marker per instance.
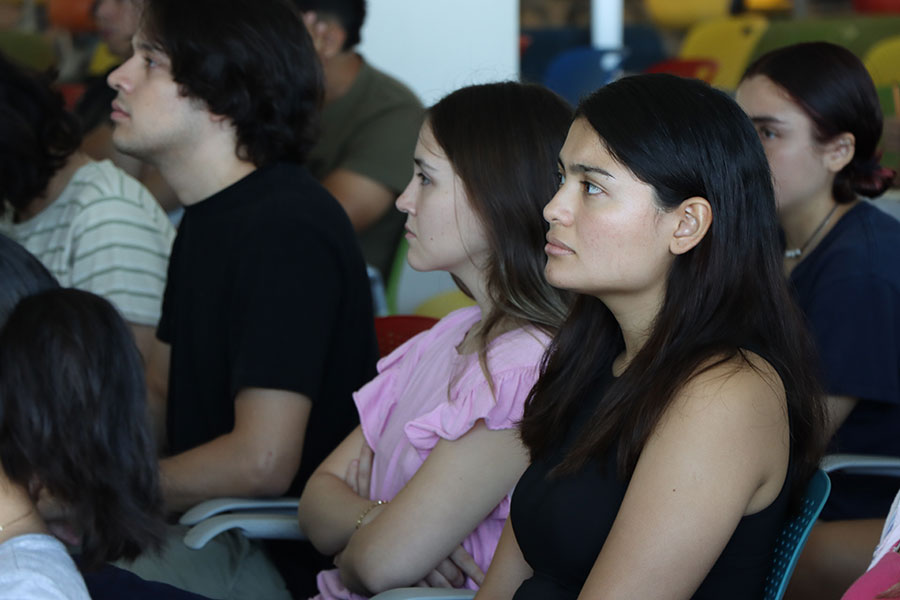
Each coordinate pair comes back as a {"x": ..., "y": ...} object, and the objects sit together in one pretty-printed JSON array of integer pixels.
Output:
[
  {"x": 267, "y": 324},
  {"x": 438, "y": 424},
  {"x": 678, "y": 413},
  {"x": 93, "y": 226},
  {"x": 817, "y": 113},
  {"x": 369, "y": 126},
  {"x": 74, "y": 427}
]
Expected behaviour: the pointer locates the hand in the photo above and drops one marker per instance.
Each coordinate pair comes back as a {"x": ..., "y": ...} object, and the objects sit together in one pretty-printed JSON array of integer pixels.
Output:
[
  {"x": 891, "y": 592},
  {"x": 453, "y": 570},
  {"x": 359, "y": 472}
]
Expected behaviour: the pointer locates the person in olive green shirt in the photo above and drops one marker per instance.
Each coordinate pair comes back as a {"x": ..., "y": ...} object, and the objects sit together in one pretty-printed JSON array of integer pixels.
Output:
[{"x": 369, "y": 125}]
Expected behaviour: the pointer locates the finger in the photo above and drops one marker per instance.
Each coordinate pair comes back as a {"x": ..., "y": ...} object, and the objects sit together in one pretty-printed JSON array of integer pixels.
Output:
[
  {"x": 891, "y": 592},
  {"x": 352, "y": 475},
  {"x": 435, "y": 579},
  {"x": 464, "y": 561},
  {"x": 454, "y": 576},
  {"x": 365, "y": 470}
]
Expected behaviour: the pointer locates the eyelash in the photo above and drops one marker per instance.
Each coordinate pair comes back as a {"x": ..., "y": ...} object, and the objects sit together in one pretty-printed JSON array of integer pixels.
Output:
[
  {"x": 423, "y": 179},
  {"x": 766, "y": 133}
]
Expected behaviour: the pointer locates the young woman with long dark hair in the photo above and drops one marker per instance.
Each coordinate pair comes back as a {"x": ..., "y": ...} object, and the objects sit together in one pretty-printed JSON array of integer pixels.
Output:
[
  {"x": 440, "y": 417},
  {"x": 817, "y": 113},
  {"x": 677, "y": 414}
]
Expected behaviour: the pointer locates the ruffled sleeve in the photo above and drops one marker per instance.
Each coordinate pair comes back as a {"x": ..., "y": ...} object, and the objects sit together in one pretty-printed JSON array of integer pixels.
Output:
[
  {"x": 376, "y": 400},
  {"x": 451, "y": 420}
]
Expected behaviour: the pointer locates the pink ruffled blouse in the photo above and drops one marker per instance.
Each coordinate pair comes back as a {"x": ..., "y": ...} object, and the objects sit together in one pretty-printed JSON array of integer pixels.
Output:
[{"x": 424, "y": 392}]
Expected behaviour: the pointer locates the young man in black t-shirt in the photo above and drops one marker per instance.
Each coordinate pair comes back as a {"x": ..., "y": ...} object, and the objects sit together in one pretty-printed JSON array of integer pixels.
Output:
[{"x": 267, "y": 323}]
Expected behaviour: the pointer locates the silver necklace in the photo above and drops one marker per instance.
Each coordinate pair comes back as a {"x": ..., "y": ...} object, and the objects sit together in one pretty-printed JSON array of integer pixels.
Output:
[{"x": 798, "y": 252}]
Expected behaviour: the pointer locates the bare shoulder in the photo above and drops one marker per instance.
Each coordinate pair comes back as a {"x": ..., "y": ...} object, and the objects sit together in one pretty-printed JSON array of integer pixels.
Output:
[{"x": 744, "y": 389}]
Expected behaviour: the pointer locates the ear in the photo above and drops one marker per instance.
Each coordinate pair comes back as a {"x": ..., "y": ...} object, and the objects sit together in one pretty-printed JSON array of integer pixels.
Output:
[
  {"x": 694, "y": 217},
  {"x": 839, "y": 151}
]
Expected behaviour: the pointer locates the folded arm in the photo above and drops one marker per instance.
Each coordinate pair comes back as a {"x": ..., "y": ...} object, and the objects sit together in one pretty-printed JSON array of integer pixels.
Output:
[{"x": 459, "y": 484}]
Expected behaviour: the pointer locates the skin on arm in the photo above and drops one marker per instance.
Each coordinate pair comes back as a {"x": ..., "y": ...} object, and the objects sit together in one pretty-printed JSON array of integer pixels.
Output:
[
  {"x": 329, "y": 507},
  {"x": 364, "y": 199},
  {"x": 400, "y": 543},
  {"x": 144, "y": 337},
  {"x": 508, "y": 569},
  {"x": 156, "y": 368},
  {"x": 720, "y": 452},
  {"x": 258, "y": 458},
  {"x": 459, "y": 484}
]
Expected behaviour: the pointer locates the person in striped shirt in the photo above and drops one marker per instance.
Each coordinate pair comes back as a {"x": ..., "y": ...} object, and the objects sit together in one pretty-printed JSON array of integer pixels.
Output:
[{"x": 92, "y": 225}]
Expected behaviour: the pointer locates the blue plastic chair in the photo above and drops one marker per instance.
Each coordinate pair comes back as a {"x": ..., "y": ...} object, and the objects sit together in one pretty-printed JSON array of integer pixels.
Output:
[
  {"x": 578, "y": 72},
  {"x": 793, "y": 537}
]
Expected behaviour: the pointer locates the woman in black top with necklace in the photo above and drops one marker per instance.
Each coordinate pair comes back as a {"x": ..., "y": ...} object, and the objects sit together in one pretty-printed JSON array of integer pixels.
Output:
[{"x": 676, "y": 417}]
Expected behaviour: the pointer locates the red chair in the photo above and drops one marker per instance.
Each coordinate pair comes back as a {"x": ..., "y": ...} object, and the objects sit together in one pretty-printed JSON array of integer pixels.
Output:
[
  {"x": 697, "y": 68},
  {"x": 393, "y": 330}
]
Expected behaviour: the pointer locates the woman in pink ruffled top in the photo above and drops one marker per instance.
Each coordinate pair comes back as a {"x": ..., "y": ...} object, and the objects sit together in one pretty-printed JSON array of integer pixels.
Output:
[
  {"x": 882, "y": 580},
  {"x": 418, "y": 494}
]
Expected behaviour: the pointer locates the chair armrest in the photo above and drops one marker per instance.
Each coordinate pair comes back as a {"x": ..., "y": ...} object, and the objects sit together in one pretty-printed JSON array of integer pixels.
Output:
[
  {"x": 420, "y": 593},
  {"x": 216, "y": 506},
  {"x": 266, "y": 526},
  {"x": 862, "y": 464}
]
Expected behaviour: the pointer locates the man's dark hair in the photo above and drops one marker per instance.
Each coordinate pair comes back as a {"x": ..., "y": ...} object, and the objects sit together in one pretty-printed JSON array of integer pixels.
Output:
[
  {"x": 74, "y": 419},
  {"x": 351, "y": 14},
  {"x": 251, "y": 61},
  {"x": 37, "y": 134}
]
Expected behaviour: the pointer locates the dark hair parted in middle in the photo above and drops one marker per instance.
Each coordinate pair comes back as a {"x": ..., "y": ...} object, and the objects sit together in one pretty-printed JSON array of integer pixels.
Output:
[
  {"x": 251, "y": 61},
  {"x": 502, "y": 140},
  {"x": 726, "y": 295},
  {"x": 74, "y": 420},
  {"x": 351, "y": 14},
  {"x": 836, "y": 92},
  {"x": 37, "y": 134}
]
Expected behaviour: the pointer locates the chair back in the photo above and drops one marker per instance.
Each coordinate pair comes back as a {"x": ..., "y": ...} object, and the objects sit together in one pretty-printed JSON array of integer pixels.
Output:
[
  {"x": 883, "y": 62},
  {"x": 393, "y": 330},
  {"x": 704, "y": 69},
  {"x": 576, "y": 73},
  {"x": 793, "y": 536},
  {"x": 729, "y": 41}
]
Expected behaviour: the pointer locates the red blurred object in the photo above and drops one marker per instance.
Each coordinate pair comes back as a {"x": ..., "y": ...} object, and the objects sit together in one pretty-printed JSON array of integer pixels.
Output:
[
  {"x": 72, "y": 15},
  {"x": 876, "y": 6},
  {"x": 71, "y": 92},
  {"x": 696, "y": 68},
  {"x": 393, "y": 330}
]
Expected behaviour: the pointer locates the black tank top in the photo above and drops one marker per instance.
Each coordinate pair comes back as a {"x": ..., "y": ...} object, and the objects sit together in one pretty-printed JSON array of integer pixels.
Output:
[{"x": 562, "y": 523}]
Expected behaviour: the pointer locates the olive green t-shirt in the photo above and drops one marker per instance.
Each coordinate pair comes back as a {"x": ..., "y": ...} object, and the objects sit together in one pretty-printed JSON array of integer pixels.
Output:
[{"x": 372, "y": 130}]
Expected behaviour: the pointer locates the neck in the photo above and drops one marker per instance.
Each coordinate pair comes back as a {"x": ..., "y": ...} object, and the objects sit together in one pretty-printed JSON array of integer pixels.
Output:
[
  {"x": 204, "y": 171},
  {"x": 340, "y": 72},
  {"x": 636, "y": 318},
  {"x": 18, "y": 514},
  {"x": 55, "y": 187},
  {"x": 805, "y": 226}
]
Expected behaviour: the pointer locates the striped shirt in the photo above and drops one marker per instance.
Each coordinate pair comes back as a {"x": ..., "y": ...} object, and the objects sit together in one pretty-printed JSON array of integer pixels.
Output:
[{"x": 106, "y": 234}]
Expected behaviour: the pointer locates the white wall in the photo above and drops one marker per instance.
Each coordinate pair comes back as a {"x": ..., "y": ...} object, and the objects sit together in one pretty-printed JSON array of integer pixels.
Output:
[{"x": 437, "y": 46}]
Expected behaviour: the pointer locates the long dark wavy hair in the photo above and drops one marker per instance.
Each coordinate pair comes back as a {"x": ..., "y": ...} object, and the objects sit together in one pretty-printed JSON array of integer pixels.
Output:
[
  {"x": 37, "y": 133},
  {"x": 832, "y": 86},
  {"x": 74, "y": 419},
  {"x": 249, "y": 60},
  {"x": 502, "y": 140},
  {"x": 724, "y": 296}
]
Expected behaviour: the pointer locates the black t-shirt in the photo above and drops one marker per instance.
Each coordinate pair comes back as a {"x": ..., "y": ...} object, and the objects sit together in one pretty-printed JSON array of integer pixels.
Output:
[
  {"x": 561, "y": 524},
  {"x": 267, "y": 288}
]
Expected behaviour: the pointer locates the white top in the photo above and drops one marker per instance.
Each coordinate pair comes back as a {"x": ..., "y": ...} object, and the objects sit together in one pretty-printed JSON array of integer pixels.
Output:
[
  {"x": 105, "y": 234},
  {"x": 37, "y": 567},
  {"x": 890, "y": 535}
]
